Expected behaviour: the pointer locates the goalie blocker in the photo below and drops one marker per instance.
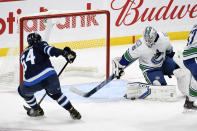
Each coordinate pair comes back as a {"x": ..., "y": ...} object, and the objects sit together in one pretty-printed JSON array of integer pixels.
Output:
[{"x": 138, "y": 90}]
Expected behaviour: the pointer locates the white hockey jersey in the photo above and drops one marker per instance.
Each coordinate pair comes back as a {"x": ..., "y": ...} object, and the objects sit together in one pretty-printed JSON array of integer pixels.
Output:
[
  {"x": 190, "y": 50},
  {"x": 149, "y": 58}
]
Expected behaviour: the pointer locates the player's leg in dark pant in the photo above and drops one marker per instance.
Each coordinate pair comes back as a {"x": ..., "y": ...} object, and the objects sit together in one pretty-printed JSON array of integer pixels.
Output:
[
  {"x": 27, "y": 92},
  {"x": 151, "y": 76},
  {"x": 191, "y": 65},
  {"x": 52, "y": 87},
  {"x": 169, "y": 66}
]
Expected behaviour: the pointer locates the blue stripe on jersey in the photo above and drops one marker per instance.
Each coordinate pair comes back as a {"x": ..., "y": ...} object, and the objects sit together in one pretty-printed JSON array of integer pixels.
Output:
[
  {"x": 47, "y": 50},
  {"x": 126, "y": 59},
  {"x": 41, "y": 76},
  {"x": 192, "y": 54},
  {"x": 146, "y": 68}
]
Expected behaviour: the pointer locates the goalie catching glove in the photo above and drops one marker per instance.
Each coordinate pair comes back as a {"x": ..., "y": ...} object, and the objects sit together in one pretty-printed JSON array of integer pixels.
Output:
[
  {"x": 69, "y": 54},
  {"x": 117, "y": 68}
]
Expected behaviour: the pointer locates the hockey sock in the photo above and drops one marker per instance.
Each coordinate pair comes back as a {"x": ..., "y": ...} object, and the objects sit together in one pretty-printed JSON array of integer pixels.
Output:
[
  {"x": 64, "y": 102},
  {"x": 31, "y": 101}
]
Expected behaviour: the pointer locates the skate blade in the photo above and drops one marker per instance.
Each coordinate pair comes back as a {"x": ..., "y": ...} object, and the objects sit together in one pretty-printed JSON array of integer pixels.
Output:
[{"x": 189, "y": 111}]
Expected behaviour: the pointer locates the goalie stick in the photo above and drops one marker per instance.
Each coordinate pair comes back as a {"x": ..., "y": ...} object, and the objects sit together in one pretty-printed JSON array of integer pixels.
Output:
[
  {"x": 27, "y": 108},
  {"x": 95, "y": 89}
]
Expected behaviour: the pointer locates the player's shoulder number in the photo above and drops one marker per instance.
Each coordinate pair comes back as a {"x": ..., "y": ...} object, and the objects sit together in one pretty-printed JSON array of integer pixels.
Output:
[
  {"x": 190, "y": 39},
  {"x": 137, "y": 44}
]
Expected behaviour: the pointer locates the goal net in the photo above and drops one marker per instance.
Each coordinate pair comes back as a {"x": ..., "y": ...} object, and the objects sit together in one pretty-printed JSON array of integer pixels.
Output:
[{"x": 86, "y": 32}]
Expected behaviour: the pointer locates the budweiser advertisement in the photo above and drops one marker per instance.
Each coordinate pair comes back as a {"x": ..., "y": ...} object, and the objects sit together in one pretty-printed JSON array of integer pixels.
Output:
[{"x": 128, "y": 17}]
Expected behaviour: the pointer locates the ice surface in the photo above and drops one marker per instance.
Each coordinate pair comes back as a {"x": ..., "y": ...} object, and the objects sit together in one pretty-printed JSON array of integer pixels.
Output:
[{"x": 106, "y": 110}]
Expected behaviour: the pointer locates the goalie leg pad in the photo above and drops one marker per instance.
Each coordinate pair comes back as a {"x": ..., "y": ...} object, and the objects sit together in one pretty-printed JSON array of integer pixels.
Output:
[
  {"x": 144, "y": 91},
  {"x": 183, "y": 80},
  {"x": 134, "y": 90}
]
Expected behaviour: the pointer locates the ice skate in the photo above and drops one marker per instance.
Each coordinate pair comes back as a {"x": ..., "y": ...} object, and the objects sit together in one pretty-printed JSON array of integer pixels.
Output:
[
  {"x": 35, "y": 112},
  {"x": 189, "y": 105},
  {"x": 74, "y": 113}
]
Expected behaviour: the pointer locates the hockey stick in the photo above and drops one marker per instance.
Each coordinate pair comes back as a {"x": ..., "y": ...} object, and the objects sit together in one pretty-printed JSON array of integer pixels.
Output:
[
  {"x": 98, "y": 87},
  {"x": 58, "y": 76},
  {"x": 95, "y": 89},
  {"x": 27, "y": 108}
]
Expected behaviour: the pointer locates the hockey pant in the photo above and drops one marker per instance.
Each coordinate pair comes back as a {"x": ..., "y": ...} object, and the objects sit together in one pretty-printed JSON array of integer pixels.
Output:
[{"x": 167, "y": 68}]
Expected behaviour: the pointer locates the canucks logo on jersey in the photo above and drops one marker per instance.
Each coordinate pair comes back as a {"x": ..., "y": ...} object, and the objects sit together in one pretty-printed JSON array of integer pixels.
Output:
[{"x": 158, "y": 57}]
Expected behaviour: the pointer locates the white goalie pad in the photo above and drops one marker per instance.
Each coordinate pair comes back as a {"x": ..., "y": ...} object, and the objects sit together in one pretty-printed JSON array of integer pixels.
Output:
[
  {"x": 183, "y": 77},
  {"x": 138, "y": 90}
]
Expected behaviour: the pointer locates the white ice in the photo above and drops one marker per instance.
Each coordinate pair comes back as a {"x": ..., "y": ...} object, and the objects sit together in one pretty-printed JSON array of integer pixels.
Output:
[{"x": 106, "y": 110}]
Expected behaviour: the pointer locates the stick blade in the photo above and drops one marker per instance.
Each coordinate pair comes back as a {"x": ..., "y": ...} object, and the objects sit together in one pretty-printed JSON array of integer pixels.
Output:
[
  {"x": 77, "y": 91},
  {"x": 94, "y": 90}
]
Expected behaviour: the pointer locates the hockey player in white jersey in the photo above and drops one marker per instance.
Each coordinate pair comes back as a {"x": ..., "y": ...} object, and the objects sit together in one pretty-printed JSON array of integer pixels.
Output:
[
  {"x": 189, "y": 60},
  {"x": 155, "y": 54}
]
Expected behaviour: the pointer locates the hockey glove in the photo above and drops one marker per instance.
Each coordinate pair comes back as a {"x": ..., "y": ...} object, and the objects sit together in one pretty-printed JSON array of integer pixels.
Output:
[
  {"x": 171, "y": 54},
  {"x": 69, "y": 54},
  {"x": 117, "y": 68}
]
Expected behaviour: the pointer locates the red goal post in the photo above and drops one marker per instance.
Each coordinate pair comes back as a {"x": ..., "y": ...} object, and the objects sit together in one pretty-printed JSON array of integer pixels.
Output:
[{"x": 68, "y": 14}]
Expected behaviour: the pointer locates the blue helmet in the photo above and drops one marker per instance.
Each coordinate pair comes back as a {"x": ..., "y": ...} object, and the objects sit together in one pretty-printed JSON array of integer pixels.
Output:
[{"x": 33, "y": 38}]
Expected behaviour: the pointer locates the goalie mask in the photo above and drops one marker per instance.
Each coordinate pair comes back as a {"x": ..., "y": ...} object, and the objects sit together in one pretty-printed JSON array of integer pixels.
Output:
[
  {"x": 33, "y": 38},
  {"x": 150, "y": 35}
]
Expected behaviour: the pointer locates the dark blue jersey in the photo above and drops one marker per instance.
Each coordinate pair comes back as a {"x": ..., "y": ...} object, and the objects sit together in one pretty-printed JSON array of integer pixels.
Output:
[{"x": 36, "y": 63}]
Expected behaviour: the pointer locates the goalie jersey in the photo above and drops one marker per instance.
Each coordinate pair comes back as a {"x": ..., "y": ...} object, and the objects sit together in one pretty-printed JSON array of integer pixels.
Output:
[
  {"x": 190, "y": 50},
  {"x": 149, "y": 58},
  {"x": 36, "y": 63}
]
